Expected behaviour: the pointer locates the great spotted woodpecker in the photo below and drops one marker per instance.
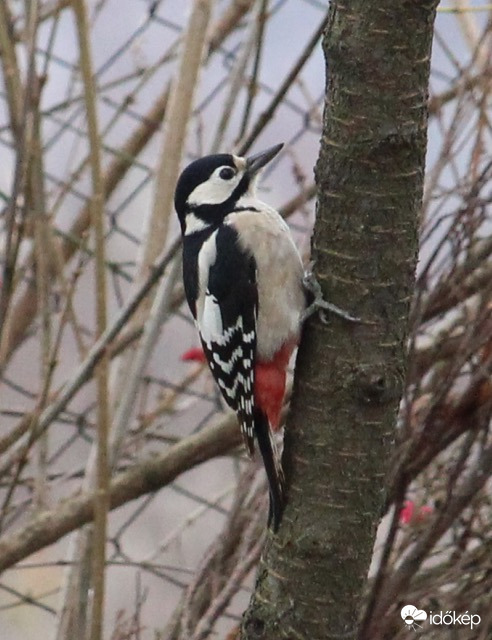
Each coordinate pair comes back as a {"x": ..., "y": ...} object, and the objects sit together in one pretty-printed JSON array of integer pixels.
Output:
[{"x": 243, "y": 279}]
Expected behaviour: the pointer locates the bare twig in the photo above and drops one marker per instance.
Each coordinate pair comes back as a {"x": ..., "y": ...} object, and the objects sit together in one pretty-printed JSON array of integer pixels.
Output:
[
  {"x": 82, "y": 373},
  {"x": 236, "y": 80},
  {"x": 260, "y": 20},
  {"x": 442, "y": 522},
  {"x": 267, "y": 115},
  {"x": 149, "y": 475},
  {"x": 228, "y": 22},
  {"x": 158, "y": 312},
  {"x": 17, "y": 207},
  {"x": 175, "y": 127},
  {"x": 101, "y": 501}
]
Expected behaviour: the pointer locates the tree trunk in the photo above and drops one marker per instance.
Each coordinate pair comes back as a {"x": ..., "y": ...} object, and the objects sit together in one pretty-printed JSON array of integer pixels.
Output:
[{"x": 349, "y": 376}]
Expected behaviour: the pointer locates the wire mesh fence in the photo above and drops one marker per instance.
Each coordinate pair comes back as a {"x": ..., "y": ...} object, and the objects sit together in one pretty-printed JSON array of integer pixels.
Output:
[{"x": 180, "y": 560}]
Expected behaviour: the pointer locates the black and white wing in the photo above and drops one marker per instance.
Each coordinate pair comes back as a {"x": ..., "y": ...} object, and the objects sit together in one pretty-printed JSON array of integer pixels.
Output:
[
  {"x": 221, "y": 288},
  {"x": 226, "y": 318}
]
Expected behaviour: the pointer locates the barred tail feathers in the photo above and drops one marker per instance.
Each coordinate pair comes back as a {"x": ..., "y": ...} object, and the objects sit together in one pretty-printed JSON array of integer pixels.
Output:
[{"x": 273, "y": 468}]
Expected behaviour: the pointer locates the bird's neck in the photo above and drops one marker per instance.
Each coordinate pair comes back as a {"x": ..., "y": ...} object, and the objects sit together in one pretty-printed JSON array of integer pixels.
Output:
[{"x": 249, "y": 202}]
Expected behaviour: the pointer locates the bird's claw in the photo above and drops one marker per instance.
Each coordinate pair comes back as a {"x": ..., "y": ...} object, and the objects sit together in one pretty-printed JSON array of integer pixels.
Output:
[{"x": 320, "y": 305}]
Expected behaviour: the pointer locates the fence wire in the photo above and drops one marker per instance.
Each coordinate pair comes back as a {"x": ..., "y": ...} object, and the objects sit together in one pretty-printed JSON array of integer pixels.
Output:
[{"x": 261, "y": 82}]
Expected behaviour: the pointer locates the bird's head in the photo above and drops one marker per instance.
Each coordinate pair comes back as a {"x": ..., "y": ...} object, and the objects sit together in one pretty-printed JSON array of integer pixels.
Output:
[{"x": 211, "y": 187}]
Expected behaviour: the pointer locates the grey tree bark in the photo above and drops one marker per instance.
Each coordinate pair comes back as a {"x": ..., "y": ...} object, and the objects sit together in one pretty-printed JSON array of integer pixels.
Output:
[{"x": 349, "y": 376}]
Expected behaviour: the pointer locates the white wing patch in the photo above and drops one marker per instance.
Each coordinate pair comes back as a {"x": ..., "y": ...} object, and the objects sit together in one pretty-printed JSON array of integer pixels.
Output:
[
  {"x": 208, "y": 316},
  {"x": 210, "y": 322}
]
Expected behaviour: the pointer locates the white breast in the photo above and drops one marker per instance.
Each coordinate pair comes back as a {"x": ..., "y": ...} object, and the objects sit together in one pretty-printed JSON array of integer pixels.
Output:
[{"x": 281, "y": 299}]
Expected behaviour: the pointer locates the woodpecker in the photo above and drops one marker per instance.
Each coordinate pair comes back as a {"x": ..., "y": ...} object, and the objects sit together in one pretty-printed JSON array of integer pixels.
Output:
[{"x": 243, "y": 280}]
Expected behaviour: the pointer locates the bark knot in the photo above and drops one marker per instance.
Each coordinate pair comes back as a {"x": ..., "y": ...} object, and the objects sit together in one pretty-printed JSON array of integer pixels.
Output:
[{"x": 375, "y": 384}]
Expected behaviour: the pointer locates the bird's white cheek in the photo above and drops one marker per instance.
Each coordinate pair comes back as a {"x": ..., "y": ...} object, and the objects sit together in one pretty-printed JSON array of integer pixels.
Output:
[{"x": 211, "y": 192}]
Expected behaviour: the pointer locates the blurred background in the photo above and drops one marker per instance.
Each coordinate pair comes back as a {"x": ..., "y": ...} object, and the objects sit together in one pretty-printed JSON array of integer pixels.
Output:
[{"x": 261, "y": 81}]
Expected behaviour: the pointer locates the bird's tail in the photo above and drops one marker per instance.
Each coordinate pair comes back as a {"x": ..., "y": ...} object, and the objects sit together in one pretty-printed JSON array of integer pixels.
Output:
[{"x": 273, "y": 468}]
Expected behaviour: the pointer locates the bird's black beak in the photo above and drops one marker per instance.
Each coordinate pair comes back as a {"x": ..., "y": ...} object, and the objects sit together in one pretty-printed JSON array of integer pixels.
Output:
[{"x": 259, "y": 160}]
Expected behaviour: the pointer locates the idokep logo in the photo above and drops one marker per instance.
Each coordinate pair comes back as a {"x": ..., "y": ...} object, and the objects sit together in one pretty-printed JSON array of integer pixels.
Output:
[
  {"x": 412, "y": 616},
  {"x": 451, "y": 618}
]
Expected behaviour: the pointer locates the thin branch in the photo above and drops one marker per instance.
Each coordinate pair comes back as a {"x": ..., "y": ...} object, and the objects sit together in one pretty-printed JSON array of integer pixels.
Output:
[
  {"x": 426, "y": 542},
  {"x": 253, "y": 81},
  {"x": 42, "y": 241},
  {"x": 175, "y": 127},
  {"x": 101, "y": 498},
  {"x": 17, "y": 206},
  {"x": 267, "y": 115},
  {"x": 24, "y": 311},
  {"x": 85, "y": 370},
  {"x": 236, "y": 80},
  {"x": 10, "y": 68},
  {"x": 150, "y": 474},
  {"x": 228, "y": 22},
  {"x": 219, "y": 604},
  {"x": 158, "y": 313}
]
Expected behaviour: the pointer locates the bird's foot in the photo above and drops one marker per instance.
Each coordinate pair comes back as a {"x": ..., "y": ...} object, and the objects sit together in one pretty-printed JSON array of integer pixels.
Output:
[{"x": 319, "y": 305}]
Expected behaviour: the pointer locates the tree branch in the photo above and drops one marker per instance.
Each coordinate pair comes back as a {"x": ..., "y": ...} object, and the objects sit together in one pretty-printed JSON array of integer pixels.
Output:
[{"x": 151, "y": 474}]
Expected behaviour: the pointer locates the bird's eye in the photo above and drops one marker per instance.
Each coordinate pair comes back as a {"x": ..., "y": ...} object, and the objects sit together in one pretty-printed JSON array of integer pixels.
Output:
[{"x": 227, "y": 173}]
